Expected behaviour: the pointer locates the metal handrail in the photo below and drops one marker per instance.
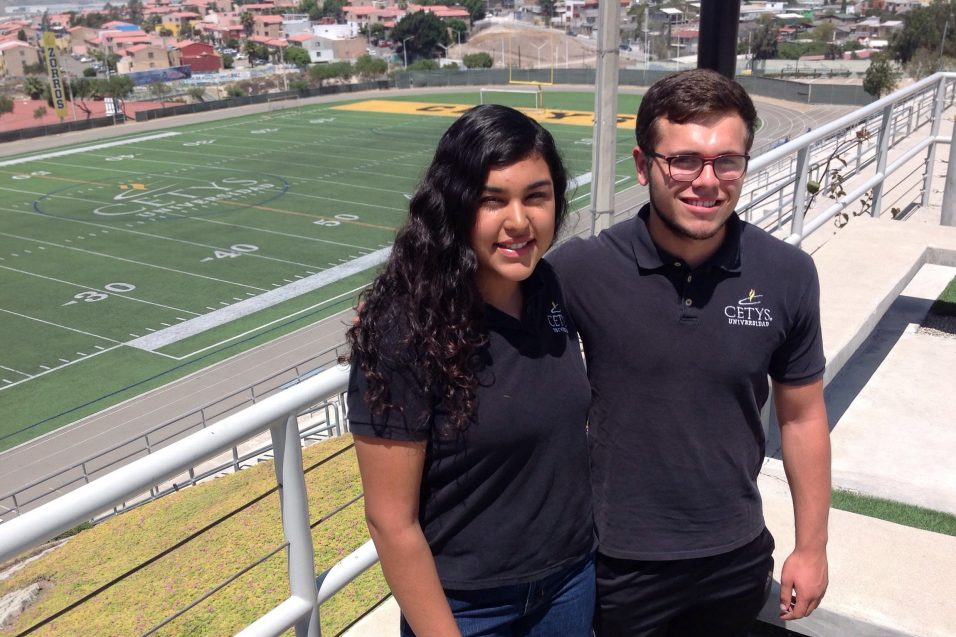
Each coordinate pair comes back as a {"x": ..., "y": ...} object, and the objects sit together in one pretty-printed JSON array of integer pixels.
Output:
[{"x": 145, "y": 442}]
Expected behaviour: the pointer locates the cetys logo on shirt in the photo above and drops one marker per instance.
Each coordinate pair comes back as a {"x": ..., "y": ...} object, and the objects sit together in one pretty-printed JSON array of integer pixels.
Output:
[
  {"x": 556, "y": 319},
  {"x": 749, "y": 311}
]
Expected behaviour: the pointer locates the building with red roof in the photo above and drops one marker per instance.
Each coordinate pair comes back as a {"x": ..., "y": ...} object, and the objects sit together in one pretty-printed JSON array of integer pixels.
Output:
[{"x": 199, "y": 56}]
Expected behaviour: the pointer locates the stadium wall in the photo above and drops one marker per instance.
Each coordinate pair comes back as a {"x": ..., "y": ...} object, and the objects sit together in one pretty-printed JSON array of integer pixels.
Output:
[
  {"x": 56, "y": 129},
  {"x": 764, "y": 86}
]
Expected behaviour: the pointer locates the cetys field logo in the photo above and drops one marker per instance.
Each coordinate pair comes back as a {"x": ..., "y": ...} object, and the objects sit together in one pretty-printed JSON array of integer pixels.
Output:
[{"x": 163, "y": 196}]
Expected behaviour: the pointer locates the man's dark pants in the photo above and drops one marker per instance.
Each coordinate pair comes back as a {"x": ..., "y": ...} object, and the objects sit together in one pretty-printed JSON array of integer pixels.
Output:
[{"x": 717, "y": 596}]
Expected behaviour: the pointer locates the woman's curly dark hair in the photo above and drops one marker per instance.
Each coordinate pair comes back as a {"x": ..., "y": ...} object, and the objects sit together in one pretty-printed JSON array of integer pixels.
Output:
[{"x": 428, "y": 284}]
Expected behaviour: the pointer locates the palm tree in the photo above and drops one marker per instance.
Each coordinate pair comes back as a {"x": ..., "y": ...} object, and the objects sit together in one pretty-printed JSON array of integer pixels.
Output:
[
  {"x": 246, "y": 19},
  {"x": 33, "y": 86}
]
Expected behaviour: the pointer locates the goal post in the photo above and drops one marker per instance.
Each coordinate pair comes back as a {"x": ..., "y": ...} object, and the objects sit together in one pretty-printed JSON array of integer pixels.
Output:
[{"x": 514, "y": 97}]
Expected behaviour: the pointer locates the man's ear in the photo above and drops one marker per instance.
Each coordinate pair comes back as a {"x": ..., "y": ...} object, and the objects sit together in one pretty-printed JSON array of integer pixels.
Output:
[{"x": 640, "y": 163}]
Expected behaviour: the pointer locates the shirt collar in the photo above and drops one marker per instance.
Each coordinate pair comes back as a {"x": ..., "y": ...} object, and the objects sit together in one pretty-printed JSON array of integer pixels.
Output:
[{"x": 649, "y": 256}]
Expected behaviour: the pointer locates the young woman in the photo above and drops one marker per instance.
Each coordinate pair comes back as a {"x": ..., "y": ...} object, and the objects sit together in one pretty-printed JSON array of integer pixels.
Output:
[{"x": 468, "y": 397}]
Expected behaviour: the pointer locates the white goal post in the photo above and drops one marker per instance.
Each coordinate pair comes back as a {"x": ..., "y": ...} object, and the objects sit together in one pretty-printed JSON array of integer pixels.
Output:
[{"x": 534, "y": 100}]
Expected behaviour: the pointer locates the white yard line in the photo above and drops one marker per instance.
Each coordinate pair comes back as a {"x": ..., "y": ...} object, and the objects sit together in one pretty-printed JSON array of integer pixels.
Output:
[
  {"x": 123, "y": 295},
  {"x": 140, "y": 263},
  {"x": 64, "y": 327},
  {"x": 48, "y": 370},
  {"x": 200, "y": 324},
  {"x": 119, "y": 228},
  {"x": 15, "y": 371},
  {"x": 84, "y": 149}
]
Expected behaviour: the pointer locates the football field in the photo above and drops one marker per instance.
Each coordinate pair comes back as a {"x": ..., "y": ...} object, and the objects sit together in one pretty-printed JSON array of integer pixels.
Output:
[{"x": 132, "y": 261}]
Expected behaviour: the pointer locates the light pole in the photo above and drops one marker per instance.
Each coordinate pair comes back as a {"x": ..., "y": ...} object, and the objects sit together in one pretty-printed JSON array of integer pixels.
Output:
[
  {"x": 405, "y": 49},
  {"x": 444, "y": 48}
]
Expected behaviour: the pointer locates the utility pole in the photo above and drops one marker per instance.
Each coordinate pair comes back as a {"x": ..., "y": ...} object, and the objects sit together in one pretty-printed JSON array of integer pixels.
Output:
[{"x": 604, "y": 164}]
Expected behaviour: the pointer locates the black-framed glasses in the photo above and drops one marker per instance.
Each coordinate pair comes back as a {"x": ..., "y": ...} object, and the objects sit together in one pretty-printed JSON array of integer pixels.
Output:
[{"x": 728, "y": 167}]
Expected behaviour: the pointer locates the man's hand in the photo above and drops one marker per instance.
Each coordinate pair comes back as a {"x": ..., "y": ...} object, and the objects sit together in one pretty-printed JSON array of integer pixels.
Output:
[{"x": 803, "y": 582}]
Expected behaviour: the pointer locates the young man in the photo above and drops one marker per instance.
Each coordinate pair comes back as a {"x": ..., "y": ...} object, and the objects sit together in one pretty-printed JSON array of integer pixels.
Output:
[{"x": 683, "y": 312}]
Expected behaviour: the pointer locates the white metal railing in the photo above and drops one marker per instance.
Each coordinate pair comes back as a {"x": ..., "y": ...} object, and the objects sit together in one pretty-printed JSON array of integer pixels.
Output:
[
  {"x": 277, "y": 413},
  {"x": 44, "y": 489}
]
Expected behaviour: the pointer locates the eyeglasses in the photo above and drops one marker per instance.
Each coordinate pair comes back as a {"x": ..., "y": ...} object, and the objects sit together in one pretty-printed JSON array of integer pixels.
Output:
[{"x": 689, "y": 167}]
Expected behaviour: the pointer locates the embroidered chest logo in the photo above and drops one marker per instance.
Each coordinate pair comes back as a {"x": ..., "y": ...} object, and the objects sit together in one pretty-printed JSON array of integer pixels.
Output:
[
  {"x": 749, "y": 311},
  {"x": 556, "y": 319}
]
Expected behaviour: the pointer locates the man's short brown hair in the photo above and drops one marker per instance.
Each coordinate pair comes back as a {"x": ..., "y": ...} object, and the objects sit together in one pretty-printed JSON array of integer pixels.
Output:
[{"x": 691, "y": 96}]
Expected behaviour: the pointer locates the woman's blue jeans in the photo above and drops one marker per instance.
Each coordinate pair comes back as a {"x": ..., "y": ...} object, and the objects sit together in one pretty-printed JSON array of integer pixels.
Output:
[{"x": 560, "y": 605}]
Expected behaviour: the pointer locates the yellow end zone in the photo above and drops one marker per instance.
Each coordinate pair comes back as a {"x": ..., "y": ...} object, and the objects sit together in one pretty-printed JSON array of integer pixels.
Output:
[{"x": 545, "y": 116}]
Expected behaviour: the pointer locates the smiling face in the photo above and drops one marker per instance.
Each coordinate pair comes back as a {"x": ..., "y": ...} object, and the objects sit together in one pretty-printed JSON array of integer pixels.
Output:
[
  {"x": 688, "y": 217},
  {"x": 514, "y": 226}
]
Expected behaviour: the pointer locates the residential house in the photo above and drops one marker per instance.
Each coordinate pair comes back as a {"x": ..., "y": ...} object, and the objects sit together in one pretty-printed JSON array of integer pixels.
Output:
[
  {"x": 314, "y": 45},
  {"x": 267, "y": 26},
  {"x": 14, "y": 56},
  {"x": 199, "y": 56},
  {"x": 178, "y": 21},
  {"x": 142, "y": 57},
  {"x": 344, "y": 41},
  {"x": 293, "y": 23}
]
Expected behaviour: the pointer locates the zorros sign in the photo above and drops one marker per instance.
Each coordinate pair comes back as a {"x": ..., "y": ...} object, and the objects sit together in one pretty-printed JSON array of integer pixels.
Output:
[{"x": 57, "y": 88}]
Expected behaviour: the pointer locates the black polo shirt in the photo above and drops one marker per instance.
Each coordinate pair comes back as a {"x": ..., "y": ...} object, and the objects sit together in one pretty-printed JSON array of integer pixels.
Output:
[
  {"x": 508, "y": 501},
  {"x": 678, "y": 360}
]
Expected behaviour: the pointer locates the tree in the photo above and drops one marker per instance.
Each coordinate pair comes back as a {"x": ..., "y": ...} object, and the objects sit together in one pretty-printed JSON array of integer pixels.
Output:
[
  {"x": 166, "y": 32},
  {"x": 247, "y": 20},
  {"x": 198, "y": 93},
  {"x": 320, "y": 73},
  {"x": 33, "y": 86},
  {"x": 235, "y": 91},
  {"x": 22, "y": 35},
  {"x": 368, "y": 67},
  {"x": 763, "y": 43},
  {"x": 311, "y": 8},
  {"x": 298, "y": 56},
  {"x": 119, "y": 86},
  {"x": 89, "y": 72},
  {"x": 228, "y": 61},
  {"x": 160, "y": 90},
  {"x": 547, "y": 9},
  {"x": 134, "y": 11},
  {"x": 39, "y": 112},
  {"x": 6, "y": 105},
  {"x": 476, "y": 9},
  {"x": 880, "y": 77},
  {"x": 423, "y": 64},
  {"x": 923, "y": 28},
  {"x": 478, "y": 61},
  {"x": 823, "y": 32},
  {"x": 376, "y": 31},
  {"x": 334, "y": 9},
  {"x": 421, "y": 32},
  {"x": 459, "y": 30}
]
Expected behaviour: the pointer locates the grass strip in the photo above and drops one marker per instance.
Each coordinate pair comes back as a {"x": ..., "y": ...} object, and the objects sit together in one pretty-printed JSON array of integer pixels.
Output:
[
  {"x": 216, "y": 528},
  {"x": 945, "y": 305},
  {"x": 896, "y": 512}
]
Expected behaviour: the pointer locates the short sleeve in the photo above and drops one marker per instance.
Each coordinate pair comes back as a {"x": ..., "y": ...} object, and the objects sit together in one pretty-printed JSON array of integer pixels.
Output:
[
  {"x": 409, "y": 418},
  {"x": 800, "y": 359}
]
